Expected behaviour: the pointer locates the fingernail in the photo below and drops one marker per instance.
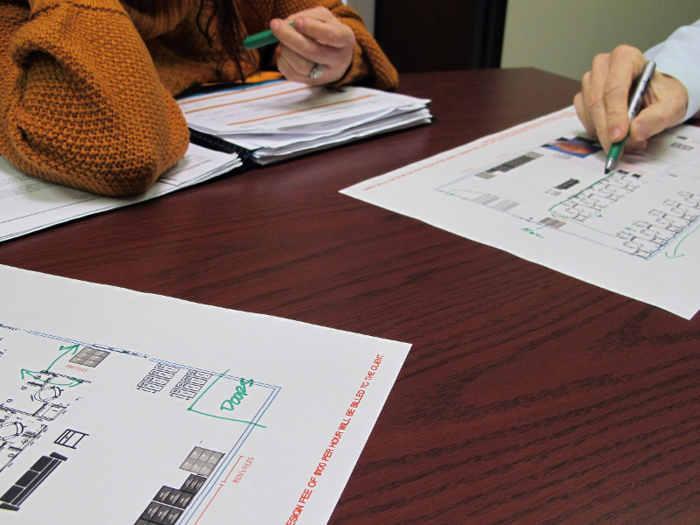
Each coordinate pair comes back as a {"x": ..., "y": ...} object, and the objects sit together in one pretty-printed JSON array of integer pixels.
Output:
[
  {"x": 616, "y": 134},
  {"x": 274, "y": 24},
  {"x": 640, "y": 132},
  {"x": 298, "y": 23}
]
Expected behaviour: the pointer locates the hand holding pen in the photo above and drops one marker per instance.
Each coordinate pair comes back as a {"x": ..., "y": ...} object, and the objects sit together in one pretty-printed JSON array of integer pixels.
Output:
[
  {"x": 316, "y": 48},
  {"x": 635, "y": 104},
  {"x": 603, "y": 103}
]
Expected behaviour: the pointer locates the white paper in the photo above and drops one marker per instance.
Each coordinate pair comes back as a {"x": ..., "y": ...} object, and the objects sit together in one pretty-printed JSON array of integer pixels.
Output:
[
  {"x": 538, "y": 192},
  {"x": 130, "y": 394},
  {"x": 281, "y": 120},
  {"x": 28, "y": 204},
  {"x": 266, "y": 156},
  {"x": 289, "y": 107}
]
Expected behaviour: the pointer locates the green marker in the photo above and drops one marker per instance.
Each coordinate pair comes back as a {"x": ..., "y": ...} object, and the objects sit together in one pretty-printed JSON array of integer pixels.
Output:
[
  {"x": 261, "y": 39},
  {"x": 634, "y": 107}
]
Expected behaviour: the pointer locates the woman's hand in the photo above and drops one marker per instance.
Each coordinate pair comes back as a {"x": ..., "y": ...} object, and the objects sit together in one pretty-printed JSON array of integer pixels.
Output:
[{"x": 317, "y": 42}]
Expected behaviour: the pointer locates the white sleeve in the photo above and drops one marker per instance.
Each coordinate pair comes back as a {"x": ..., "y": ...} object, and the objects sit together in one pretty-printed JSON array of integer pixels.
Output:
[{"x": 679, "y": 56}]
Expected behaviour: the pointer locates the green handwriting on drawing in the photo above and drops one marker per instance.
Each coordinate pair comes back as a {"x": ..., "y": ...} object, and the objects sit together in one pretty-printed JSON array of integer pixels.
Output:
[
  {"x": 675, "y": 254},
  {"x": 205, "y": 405},
  {"x": 533, "y": 232},
  {"x": 65, "y": 350},
  {"x": 235, "y": 399}
]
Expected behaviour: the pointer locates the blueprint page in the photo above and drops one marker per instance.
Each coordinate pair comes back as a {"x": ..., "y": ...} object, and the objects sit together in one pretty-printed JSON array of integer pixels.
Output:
[
  {"x": 119, "y": 407},
  {"x": 540, "y": 192}
]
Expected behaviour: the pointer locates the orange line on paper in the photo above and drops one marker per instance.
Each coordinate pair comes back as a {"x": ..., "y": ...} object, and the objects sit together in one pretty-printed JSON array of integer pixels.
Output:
[
  {"x": 299, "y": 111},
  {"x": 210, "y": 501},
  {"x": 244, "y": 90},
  {"x": 233, "y": 467},
  {"x": 247, "y": 100},
  {"x": 501, "y": 136}
]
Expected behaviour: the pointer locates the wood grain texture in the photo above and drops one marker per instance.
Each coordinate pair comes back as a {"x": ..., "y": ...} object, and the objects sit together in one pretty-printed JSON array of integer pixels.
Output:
[{"x": 528, "y": 396}]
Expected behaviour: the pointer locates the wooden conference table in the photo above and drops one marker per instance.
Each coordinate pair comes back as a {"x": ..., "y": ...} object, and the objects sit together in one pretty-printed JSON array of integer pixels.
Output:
[{"x": 528, "y": 396}]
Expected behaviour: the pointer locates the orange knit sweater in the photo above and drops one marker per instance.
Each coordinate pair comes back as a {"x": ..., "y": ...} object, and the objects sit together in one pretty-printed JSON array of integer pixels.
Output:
[{"x": 86, "y": 86}]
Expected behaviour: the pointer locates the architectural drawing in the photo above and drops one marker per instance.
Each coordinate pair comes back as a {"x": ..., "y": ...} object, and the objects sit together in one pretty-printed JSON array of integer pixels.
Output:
[
  {"x": 169, "y": 503},
  {"x": 26, "y": 413},
  {"x": 539, "y": 191},
  {"x": 120, "y": 407},
  {"x": 560, "y": 185},
  {"x": 35, "y": 400}
]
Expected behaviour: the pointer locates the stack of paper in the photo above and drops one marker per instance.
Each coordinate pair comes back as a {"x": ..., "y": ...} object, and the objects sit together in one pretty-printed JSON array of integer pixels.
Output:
[
  {"x": 30, "y": 204},
  {"x": 279, "y": 120}
]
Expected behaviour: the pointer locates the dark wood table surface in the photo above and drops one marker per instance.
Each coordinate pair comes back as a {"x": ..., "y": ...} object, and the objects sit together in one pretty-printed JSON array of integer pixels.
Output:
[{"x": 528, "y": 396}]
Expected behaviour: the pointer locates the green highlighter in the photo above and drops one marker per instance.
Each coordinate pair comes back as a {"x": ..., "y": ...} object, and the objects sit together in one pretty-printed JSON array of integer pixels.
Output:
[{"x": 261, "y": 39}]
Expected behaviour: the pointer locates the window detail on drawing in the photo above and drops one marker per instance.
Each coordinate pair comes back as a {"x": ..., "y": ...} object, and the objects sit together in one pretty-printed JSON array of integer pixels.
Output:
[
  {"x": 190, "y": 385},
  {"x": 157, "y": 378},
  {"x": 201, "y": 461},
  {"x": 89, "y": 357},
  {"x": 548, "y": 221},
  {"x": 511, "y": 164},
  {"x": 568, "y": 184},
  {"x": 684, "y": 147},
  {"x": 70, "y": 438}
]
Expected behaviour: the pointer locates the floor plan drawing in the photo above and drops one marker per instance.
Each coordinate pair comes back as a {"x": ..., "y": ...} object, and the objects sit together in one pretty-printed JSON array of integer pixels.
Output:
[
  {"x": 27, "y": 412},
  {"x": 41, "y": 396},
  {"x": 201, "y": 415},
  {"x": 640, "y": 213},
  {"x": 539, "y": 191}
]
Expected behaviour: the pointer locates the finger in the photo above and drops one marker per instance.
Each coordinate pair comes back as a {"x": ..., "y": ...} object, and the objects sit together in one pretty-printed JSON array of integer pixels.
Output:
[
  {"x": 302, "y": 45},
  {"x": 594, "y": 98},
  {"x": 297, "y": 62},
  {"x": 319, "y": 13},
  {"x": 626, "y": 64},
  {"x": 282, "y": 29},
  {"x": 583, "y": 116},
  {"x": 302, "y": 56},
  {"x": 649, "y": 122},
  {"x": 291, "y": 74},
  {"x": 333, "y": 33},
  {"x": 666, "y": 104}
]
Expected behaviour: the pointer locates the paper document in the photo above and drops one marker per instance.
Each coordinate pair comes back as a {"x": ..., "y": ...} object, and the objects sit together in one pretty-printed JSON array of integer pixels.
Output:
[
  {"x": 28, "y": 204},
  {"x": 539, "y": 191},
  {"x": 294, "y": 117},
  {"x": 119, "y": 407},
  {"x": 264, "y": 155}
]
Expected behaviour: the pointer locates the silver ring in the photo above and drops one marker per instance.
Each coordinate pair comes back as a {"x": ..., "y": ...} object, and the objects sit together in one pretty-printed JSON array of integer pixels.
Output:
[{"x": 316, "y": 71}]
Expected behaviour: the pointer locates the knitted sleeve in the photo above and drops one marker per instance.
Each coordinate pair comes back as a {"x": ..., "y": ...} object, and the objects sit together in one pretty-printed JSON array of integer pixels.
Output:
[
  {"x": 81, "y": 103},
  {"x": 369, "y": 62}
]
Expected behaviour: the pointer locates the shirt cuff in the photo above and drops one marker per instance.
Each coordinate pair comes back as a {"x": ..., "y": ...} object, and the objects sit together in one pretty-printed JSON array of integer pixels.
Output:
[{"x": 679, "y": 57}]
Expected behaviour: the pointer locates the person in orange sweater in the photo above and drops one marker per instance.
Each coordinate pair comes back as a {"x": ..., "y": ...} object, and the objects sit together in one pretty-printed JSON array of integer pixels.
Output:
[{"x": 87, "y": 86}]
